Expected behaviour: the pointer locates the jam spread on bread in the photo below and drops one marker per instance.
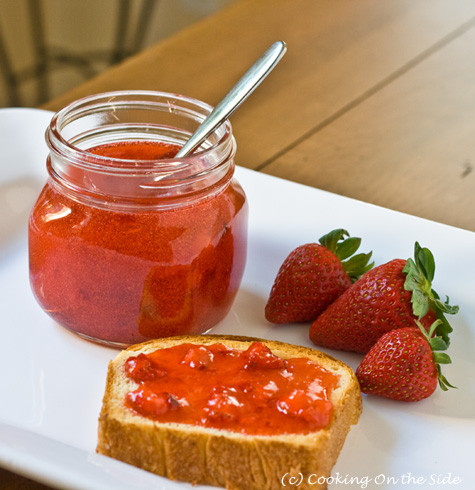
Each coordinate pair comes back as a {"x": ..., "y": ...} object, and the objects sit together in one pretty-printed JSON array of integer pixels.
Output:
[{"x": 251, "y": 391}]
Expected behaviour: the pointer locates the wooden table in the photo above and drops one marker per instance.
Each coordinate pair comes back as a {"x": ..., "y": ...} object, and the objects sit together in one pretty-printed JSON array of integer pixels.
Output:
[{"x": 373, "y": 100}]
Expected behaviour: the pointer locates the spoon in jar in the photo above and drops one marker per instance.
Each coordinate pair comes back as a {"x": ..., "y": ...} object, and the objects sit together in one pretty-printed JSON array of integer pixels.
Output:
[{"x": 236, "y": 96}]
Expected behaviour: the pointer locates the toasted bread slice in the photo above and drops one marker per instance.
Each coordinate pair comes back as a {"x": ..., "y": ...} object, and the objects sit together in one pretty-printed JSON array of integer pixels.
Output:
[{"x": 202, "y": 455}]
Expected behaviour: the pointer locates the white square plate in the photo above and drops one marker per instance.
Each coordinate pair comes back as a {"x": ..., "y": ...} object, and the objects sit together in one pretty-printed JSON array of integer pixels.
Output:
[{"x": 52, "y": 382}]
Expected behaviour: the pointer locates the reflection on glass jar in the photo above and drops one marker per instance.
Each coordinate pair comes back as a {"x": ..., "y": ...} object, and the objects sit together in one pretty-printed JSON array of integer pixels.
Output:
[{"x": 128, "y": 243}]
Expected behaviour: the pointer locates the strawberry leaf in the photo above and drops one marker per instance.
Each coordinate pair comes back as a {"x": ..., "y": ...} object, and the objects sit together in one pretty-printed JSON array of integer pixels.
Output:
[
  {"x": 344, "y": 247},
  {"x": 445, "y": 307},
  {"x": 441, "y": 358},
  {"x": 331, "y": 239},
  {"x": 443, "y": 382},
  {"x": 437, "y": 344},
  {"x": 358, "y": 264},
  {"x": 420, "y": 303},
  {"x": 420, "y": 273},
  {"x": 347, "y": 247},
  {"x": 425, "y": 261},
  {"x": 444, "y": 329}
]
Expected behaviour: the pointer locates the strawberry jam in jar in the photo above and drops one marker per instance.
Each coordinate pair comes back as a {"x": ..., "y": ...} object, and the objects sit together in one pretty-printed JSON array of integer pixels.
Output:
[{"x": 126, "y": 242}]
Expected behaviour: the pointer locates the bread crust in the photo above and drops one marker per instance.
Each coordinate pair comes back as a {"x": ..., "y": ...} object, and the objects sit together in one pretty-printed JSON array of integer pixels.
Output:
[{"x": 236, "y": 461}]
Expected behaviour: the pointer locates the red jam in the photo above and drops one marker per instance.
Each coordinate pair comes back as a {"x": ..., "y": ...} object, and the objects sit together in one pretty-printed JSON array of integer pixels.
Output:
[
  {"x": 125, "y": 276},
  {"x": 252, "y": 392}
]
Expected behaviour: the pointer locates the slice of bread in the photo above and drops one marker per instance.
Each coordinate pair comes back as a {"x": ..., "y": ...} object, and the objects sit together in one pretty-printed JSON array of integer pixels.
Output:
[{"x": 236, "y": 461}]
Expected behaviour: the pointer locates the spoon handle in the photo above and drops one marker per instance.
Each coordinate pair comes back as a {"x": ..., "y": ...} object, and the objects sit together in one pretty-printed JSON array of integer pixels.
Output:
[{"x": 236, "y": 96}]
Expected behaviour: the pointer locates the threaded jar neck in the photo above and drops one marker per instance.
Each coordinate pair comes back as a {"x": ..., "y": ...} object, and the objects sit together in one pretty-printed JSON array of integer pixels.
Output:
[{"x": 136, "y": 116}]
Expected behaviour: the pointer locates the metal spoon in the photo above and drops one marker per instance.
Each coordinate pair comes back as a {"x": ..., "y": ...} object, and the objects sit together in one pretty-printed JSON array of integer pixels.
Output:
[{"x": 236, "y": 96}]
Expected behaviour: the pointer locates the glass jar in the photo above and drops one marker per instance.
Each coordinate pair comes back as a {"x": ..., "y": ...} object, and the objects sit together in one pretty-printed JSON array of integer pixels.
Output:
[{"x": 127, "y": 243}]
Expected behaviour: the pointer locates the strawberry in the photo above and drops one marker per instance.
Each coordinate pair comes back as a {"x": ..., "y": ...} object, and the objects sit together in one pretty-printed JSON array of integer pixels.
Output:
[
  {"x": 389, "y": 296},
  {"x": 404, "y": 364},
  {"x": 313, "y": 276}
]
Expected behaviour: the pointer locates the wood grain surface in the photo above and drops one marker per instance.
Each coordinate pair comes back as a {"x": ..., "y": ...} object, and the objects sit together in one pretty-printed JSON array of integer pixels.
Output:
[{"x": 373, "y": 99}]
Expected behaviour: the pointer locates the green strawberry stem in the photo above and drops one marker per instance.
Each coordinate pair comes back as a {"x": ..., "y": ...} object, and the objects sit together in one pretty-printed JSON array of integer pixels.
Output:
[
  {"x": 437, "y": 344},
  {"x": 419, "y": 276},
  {"x": 344, "y": 248}
]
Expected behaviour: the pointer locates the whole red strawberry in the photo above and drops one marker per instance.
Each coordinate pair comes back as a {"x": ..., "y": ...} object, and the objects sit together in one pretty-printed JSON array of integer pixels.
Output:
[
  {"x": 313, "y": 276},
  {"x": 389, "y": 296},
  {"x": 404, "y": 364}
]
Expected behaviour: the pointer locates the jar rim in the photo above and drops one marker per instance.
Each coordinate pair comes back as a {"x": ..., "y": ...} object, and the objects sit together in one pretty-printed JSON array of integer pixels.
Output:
[
  {"x": 111, "y": 100},
  {"x": 114, "y": 117}
]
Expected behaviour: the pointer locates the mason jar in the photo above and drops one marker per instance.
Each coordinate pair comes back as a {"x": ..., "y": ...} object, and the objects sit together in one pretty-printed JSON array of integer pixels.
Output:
[{"x": 126, "y": 242}]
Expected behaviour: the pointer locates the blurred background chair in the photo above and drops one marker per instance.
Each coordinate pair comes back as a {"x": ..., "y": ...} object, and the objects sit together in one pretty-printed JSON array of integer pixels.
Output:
[{"x": 48, "y": 46}]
